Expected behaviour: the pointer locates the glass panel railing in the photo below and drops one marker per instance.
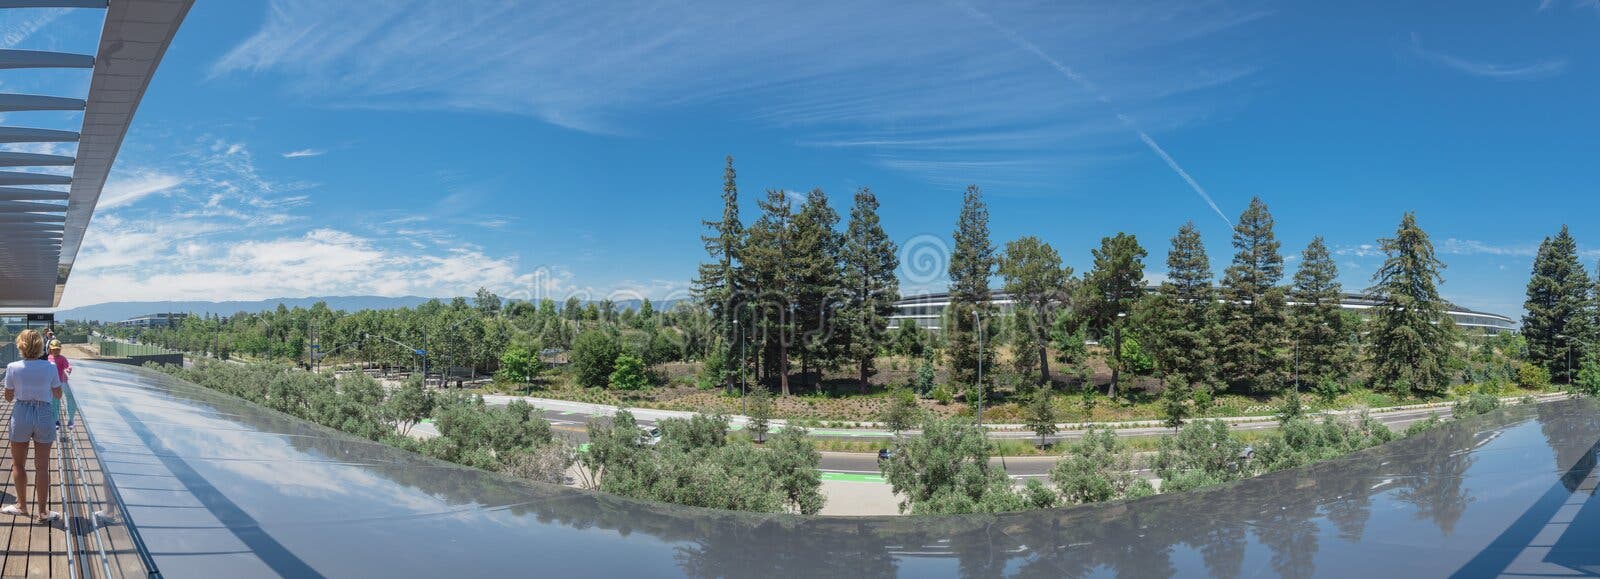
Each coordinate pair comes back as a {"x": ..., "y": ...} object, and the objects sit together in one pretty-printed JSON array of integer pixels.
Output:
[{"x": 105, "y": 542}]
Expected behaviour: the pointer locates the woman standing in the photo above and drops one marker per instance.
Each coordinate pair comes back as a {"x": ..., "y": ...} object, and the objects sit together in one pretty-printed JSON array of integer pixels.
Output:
[
  {"x": 63, "y": 369},
  {"x": 31, "y": 384}
]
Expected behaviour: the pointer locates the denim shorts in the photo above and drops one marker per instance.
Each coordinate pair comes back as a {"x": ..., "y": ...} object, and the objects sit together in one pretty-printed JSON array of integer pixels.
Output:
[{"x": 32, "y": 421}]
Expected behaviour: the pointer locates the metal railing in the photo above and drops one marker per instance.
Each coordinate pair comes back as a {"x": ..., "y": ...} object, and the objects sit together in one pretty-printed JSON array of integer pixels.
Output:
[{"x": 90, "y": 550}]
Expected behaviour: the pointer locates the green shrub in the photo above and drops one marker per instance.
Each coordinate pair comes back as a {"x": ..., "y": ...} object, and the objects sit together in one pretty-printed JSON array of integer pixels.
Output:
[
  {"x": 520, "y": 363},
  {"x": 1097, "y": 467},
  {"x": 1175, "y": 404},
  {"x": 902, "y": 412},
  {"x": 1039, "y": 496},
  {"x": 594, "y": 357},
  {"x": 1189, "y": 480},
  {"x": 1476, "y": 404},
  {"x": 1203, "y": 445},
  {"x": 697, "y": 464},
  {"x": 1533, "y": 376},
  {"x": 943, "y": 395},
  {"x": 1300, "y": 441},
  {"x": 1421, "y": 426},
  {"x": 1494, "y": 386},
  {"x": 1134, "y": 359},
  {"x": 1329, "y": 389},
  {"x": 629, "y": 373},
  {"x": 945, "y": 470},
  {"x": 714, "y": 371},
  {"x": 1588, "y": 381},
  {"x": 1293, "y": 407}
]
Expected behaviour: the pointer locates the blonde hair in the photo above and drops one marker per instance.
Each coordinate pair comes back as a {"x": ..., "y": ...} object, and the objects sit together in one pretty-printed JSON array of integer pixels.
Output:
[{"x": 30, "y": 344}]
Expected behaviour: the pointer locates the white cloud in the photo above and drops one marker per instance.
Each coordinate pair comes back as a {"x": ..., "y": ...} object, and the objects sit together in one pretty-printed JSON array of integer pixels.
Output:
[
  {"x": 303, "y": 153},
  {"x": 17, "y": 30},
  {"x": 1474, "y": 247},
  {"x": 1535, "y": 70},
  {"x": 1362, "y": 250},
  {"x": 144, "y": 260},
  {"x": 916, "y": 85},
  {"x": 129, "y": 189}
]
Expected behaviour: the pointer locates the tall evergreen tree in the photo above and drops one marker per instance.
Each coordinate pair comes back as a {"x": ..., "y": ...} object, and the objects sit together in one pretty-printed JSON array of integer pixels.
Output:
[
  {"x": 769, "y": 259},
  {"x": 972, "y": 263},
  {"x": 871, "y": 288},
  {"x": 1411, "y": 337},
  {"x": 816, "y": 282},
  {"x": 1251, "y": 358},
  {"x": 1184, "y": 336},
  {"x": 1316, "y": 324},
  {"x": 1037, "y": 282},
  {"x": 1560, "y": 307},
  {"x": 1110, "y": 291},
  {"x": 717, "y": 285}
]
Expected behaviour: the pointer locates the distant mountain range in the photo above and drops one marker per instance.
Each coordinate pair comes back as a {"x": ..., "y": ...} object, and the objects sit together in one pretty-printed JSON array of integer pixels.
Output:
[{"x": 118, "y": 311}]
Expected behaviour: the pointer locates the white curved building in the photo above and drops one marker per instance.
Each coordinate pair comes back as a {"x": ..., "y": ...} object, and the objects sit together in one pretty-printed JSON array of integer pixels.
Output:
[{"x": 927, "y": 310}]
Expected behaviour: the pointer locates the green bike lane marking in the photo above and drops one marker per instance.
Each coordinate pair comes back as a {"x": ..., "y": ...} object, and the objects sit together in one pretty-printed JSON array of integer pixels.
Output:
[
  {"x": 821, "y": 432},
  {"x": 852, "y": 477}
]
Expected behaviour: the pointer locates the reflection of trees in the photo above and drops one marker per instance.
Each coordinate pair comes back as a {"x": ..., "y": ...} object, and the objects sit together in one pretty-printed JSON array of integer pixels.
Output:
[
  {"x": 788, "y": 547},
  {"x": 1134, "y": 539},
  {"x": 1289, "y": 532},
  {"x": 1438, "y": 465},
  {"x": 1570, "y": 430},
  {"x": 1353, "y": 506}
]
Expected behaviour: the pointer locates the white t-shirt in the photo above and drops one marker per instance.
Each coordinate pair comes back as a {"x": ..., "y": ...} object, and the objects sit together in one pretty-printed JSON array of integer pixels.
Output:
[{"x": 32, "y": 379}]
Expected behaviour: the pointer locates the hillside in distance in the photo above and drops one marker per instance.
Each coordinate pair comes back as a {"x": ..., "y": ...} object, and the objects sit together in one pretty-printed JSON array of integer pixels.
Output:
[{"x": 118, "y": 311}]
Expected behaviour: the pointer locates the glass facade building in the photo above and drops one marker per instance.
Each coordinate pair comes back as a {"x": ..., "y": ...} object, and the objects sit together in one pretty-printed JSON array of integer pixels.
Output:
[{"x": 927, "y": 310}]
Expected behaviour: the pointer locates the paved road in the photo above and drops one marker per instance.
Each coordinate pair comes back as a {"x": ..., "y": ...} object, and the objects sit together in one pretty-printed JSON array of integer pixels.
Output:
[{"x": 576, "y": 414}]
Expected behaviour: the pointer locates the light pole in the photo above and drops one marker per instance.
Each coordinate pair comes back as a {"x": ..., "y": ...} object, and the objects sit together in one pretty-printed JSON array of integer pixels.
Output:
[
  {"x": 1567, "y": 340},
  {"x": 447, "y": 331},
  {"x": 977, "y": 323}
]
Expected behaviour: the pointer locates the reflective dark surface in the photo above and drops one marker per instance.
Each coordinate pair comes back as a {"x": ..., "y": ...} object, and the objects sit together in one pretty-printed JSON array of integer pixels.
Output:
[{"x": 219, "y": 487}]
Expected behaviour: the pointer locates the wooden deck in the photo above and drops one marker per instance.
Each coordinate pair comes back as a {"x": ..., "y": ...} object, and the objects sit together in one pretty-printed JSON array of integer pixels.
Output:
[{"x": 32, "y": 549}]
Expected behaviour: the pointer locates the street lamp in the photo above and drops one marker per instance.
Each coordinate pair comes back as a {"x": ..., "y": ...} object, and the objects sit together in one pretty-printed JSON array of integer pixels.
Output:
[{"x": 447, "y": 331}]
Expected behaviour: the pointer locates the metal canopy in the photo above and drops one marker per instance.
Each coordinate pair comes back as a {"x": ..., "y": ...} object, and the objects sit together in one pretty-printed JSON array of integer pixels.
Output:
[
  {"x": 17, "y": 159},
  {"x": 12, "y": 58},
  {"x": 30, "y": 135},
  {"x": 33, "y": 102},
  {"x": 24, "y": 193},
  {"x": 41, "y": 239}
]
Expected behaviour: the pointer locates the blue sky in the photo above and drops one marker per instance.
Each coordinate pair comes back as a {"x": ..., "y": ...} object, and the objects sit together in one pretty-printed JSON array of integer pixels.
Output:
[{"x": 293, "y": 148}]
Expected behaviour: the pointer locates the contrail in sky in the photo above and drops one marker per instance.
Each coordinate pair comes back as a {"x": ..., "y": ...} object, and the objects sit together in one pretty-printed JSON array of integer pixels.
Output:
[{"x": 1099, "y": 95}]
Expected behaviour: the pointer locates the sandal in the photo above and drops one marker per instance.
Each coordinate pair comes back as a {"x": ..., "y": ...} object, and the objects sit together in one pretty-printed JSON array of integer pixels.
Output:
[
  {"x": 13, "y": 510},
  {"x": 49, "y": 516}
]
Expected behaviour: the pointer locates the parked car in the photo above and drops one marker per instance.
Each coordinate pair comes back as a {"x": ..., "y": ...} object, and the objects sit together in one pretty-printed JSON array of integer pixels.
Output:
[{"x": 649, "y": 435}]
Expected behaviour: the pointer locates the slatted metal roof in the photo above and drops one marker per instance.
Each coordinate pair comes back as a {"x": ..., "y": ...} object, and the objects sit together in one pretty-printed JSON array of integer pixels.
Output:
[{"x": 40, "y": 235}]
